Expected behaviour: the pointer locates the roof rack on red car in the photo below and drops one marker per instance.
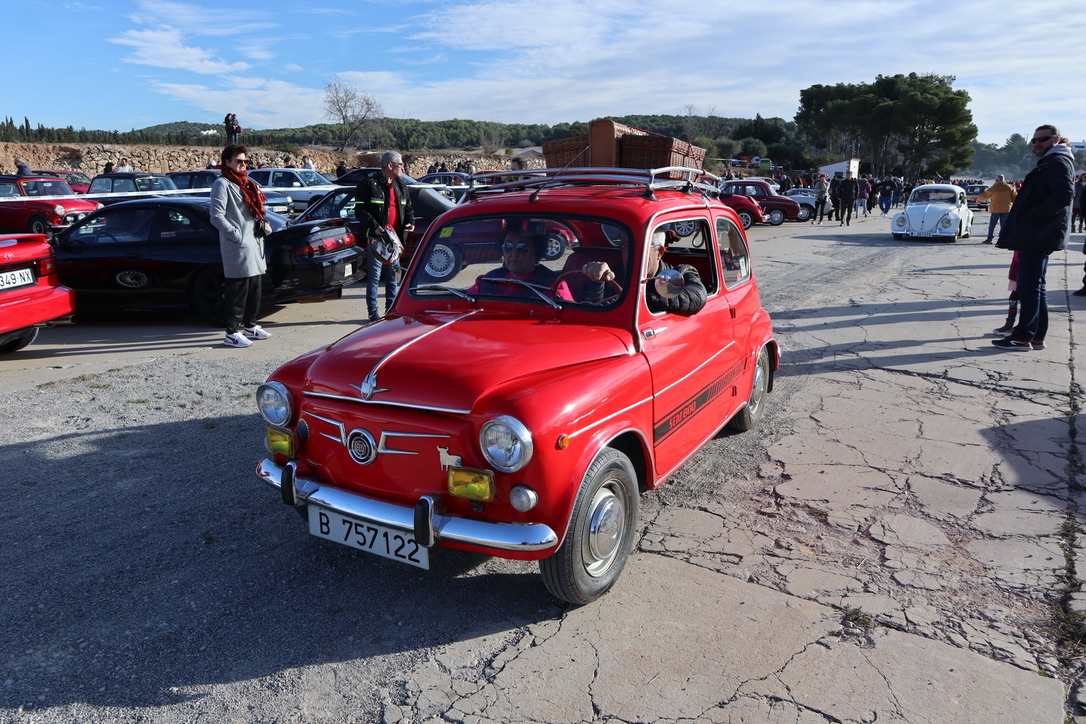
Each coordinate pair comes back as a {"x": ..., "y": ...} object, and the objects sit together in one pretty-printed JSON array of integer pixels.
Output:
[{"x": 681, "y": 178}]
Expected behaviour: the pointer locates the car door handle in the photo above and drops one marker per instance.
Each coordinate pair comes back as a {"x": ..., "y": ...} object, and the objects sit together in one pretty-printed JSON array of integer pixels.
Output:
[{"x": 650, "y": 333}]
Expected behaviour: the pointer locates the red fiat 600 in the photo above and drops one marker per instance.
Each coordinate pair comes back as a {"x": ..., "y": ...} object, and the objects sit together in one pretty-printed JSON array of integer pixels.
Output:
[{"x": 516, "y": 404}]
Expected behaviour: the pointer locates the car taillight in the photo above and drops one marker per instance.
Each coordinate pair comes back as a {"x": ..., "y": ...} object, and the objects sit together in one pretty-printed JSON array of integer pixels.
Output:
[
  {"x": 48, "y": 265},
  {"x": 324, "y": 245}
]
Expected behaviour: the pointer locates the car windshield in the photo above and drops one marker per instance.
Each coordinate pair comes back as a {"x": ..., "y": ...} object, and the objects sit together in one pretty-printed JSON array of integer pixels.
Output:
[
  {"x": 72, "y": 177},
  {"x": 533, "y": 260},
  {"x": 334, "y": 205},
  {"x": 312, "y": 178},
  {"x": 155, "y": 183},
  {"x": 46, "y": 187},
  {"x": 934, "y": 196}
]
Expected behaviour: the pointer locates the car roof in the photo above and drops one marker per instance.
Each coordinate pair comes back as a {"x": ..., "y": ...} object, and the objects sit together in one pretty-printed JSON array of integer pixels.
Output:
[
  {"x": 940, "y": 187},
  {"x": 35, "y": 177},
  {"x": 130, "y": 174}
]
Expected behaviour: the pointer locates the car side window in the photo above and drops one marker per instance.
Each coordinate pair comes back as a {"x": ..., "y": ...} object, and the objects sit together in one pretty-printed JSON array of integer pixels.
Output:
[
  {"x": 734, "y": 259},
  {"x": 100, "y": 186},
  {"x": 116, "y": 226},
  {"x": 175, "y": 225},
  {"x": 261, "y": 177},
  {"x": 182, "y": 180},
  {"x": 8, "y": 189},
  {"x": 124, "y": 185},
  {"x": 692, "y": 247}
]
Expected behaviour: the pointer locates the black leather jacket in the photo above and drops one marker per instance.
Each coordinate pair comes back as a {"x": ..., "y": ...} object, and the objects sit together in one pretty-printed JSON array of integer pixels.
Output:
[
  {"x": 1040, "y": 219},
  {"x": 371, "y": 204}
]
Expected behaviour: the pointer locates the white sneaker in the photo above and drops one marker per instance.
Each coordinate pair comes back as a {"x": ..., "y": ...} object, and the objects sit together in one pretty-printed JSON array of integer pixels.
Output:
[
  {"x": 256, "y": 332},
  {"x": 235, "y": 340}
]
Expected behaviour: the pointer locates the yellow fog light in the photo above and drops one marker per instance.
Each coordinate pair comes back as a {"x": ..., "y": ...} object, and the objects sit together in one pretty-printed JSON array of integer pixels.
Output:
[
  {"x": 279, "y": 441},
  {"x": 471, "y": 484}
]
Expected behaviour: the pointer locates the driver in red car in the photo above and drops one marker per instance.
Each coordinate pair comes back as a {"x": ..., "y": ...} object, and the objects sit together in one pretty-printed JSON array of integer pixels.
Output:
[{"x": 521, "y": 253}]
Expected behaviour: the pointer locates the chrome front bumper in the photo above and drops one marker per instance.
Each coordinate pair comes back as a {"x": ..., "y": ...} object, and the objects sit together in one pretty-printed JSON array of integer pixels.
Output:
[{"x": 427, "y": 524}]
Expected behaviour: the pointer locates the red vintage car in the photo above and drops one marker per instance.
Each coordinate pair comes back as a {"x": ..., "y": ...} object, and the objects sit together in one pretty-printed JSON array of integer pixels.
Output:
[
  {"x": 776, "y": 207},
  {"x": 746, "y": 208},
  {"x": 521, "y": 415},
  {"x": 40, "y": 204},
  {"x": 30, "y": 294},
  {"x": 78, "y": 180}
]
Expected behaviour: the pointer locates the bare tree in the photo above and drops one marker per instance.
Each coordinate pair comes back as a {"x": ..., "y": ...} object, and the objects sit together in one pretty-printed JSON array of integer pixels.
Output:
[{"x": 355, "y": 110}]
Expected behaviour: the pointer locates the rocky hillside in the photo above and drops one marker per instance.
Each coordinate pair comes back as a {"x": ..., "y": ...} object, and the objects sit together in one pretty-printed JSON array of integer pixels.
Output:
[{"x": 91, "y": 159}]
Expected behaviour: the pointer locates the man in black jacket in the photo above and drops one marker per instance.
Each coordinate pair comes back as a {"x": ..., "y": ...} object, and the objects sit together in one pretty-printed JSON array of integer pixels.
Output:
[
  {"x": 382, "y": 203},
  {"x": 1038, "y": 224},
  {"x": 848, "y": 189}
]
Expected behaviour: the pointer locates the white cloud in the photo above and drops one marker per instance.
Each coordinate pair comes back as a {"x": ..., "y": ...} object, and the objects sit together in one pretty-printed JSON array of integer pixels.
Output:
[
  {"x": 259, "y": 103},
  {"x": 164, "y": 48}
]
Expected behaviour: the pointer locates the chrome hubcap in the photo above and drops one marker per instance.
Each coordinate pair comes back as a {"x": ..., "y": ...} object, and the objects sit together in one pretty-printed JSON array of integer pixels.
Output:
[{"x": 605, "y": 527}]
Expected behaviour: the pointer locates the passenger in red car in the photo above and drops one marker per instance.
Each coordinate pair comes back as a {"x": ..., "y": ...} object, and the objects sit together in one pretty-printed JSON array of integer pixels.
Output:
[{"x": 521, "y": 252}]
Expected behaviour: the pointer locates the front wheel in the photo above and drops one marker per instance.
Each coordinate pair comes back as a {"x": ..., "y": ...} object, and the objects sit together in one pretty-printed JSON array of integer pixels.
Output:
[
  {"x": 805, "y": 213},
  {"x": 776, "y": 217},
  {"x": 443, "y": 262},
  {"x": 746, "y": 219},
  {"x": 555, "y": 246},
  {"x": 749, "y": 416},
  {"x": 899, "y": 237},
  {"x": 38, "y": 225},
  {"x": 600, "y": 533}
]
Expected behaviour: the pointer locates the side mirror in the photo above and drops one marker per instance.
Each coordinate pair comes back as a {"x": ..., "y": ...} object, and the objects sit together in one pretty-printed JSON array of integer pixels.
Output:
[{"x": 668, "y": 283}]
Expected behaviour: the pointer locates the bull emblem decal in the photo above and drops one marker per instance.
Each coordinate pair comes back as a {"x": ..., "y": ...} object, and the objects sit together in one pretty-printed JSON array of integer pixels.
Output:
[{"x": 447, "y": 460}]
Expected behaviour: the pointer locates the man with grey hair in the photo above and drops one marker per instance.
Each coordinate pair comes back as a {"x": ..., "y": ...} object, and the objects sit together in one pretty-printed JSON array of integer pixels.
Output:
[
  {"x": 1000, "y": 196},
  {"x": 383, "y": 206},
  {"x": 21, "y": 169}
]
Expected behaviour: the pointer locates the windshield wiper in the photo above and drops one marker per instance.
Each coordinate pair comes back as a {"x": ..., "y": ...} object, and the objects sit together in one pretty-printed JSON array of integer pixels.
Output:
[
  {"x": 442, "y": 288},
  {"x": 538, "y": 289}
]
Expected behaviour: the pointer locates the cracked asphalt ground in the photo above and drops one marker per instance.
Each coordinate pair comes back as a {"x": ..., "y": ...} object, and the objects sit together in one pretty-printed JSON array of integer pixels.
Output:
[{"x": 897, "y": 541}]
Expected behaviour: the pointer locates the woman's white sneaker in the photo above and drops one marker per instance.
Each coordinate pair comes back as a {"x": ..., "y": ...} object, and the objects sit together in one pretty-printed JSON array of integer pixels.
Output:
[
  {"x": 235, "y": 340},
  {"x": 256, "y": 332}
]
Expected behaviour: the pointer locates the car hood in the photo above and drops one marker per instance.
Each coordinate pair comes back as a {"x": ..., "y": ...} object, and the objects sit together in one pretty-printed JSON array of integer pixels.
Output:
[
  {"x": 925, "y": 217},
  {"x": 449, "y": 361}
]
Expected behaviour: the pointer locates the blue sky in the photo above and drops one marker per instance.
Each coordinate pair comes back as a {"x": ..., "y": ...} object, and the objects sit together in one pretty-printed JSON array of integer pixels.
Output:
[{"x": 126, "y": 64}]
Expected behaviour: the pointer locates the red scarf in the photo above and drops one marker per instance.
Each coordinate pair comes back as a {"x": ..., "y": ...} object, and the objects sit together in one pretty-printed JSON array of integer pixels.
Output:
[{"x": 254, "y": 198}]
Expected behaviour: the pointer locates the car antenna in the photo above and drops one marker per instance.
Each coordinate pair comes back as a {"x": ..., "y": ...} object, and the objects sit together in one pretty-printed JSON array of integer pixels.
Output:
[{"x": 535, "y": 194}]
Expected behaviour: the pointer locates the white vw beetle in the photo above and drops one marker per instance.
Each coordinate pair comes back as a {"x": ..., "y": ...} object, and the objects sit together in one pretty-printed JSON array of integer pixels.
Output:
[{"x": 934, "y": 211}]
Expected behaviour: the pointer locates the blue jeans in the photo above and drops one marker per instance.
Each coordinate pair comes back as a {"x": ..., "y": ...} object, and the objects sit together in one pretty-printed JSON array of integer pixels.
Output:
[
  {"x": 1033, "y": 296},
  {"x": 374, "y": 271},
  {"x": 884, "y": 204},
  {"x": 992, "y": 224}
]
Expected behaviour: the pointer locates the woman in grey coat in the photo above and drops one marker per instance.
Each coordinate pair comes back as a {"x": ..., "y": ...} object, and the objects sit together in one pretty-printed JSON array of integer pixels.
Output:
[{"x": 237, "y": 211}]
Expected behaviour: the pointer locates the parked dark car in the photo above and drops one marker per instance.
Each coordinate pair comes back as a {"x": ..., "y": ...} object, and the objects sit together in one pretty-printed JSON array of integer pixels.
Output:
[
  {"x": 164, "y": 253},
  {"x": 355, "y": 176},
  {"x": 137, "y": 184},
  {"x": 775, "y": 207},
  {"x": 426, "y": 203},
  {"x": 203, "y": 179}
]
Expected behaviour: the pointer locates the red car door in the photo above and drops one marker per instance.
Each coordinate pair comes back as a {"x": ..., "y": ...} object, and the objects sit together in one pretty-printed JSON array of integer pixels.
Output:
[{"x": 694, "y": 361}]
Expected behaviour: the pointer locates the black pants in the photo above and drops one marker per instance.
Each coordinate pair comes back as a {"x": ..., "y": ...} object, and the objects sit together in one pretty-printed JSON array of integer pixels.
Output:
[{"x": 241, "y": 302}]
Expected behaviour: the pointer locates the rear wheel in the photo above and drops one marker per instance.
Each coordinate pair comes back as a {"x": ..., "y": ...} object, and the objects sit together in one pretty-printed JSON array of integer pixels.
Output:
[
  {"x": 600, "y": 534},
  {"x": 25, "y": 337},
  {"x": 555, "y": 245},
  {"x": 443, "y": 262},
  {"x": 805, "y": 213},
  {"x": 775, "y": 217},
  {"x": 748, "y": 417},
  {"x": 746, "y": 219},
  {"x": 207, "y": 295}
]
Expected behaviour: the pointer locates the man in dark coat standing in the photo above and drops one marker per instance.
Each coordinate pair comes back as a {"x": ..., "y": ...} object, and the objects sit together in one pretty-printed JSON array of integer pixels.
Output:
[
  {"x": 382, "y": 203},
  {"x": 1038, "y": 224},
  {"x": 847, "y": 189}
]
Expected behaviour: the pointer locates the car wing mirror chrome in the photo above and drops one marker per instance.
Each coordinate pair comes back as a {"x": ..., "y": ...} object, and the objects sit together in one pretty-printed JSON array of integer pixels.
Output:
[{"x": 669, "y": 283}]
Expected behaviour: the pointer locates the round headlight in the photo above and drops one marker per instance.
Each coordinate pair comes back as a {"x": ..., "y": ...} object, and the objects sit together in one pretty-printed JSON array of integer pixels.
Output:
[
  {"x": 506, "y": 443},
  {"x": 58, "y": 210},
  {"x": 274, "y": 402},
  {"x": 945, "y": 223},
  {"x": 899, "y": 221}
]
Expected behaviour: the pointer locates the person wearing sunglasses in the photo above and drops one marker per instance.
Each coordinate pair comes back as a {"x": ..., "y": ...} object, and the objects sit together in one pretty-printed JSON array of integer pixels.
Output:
[
  {"x": 1038, "y": 224},
  {"x": 383, "y": 206},
  {"x": 521, "y": 251}
]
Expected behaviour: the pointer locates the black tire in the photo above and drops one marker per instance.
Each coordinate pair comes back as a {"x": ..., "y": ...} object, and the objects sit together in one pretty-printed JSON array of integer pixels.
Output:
[
  {"x": 775, "y": 217},
  {"x": 748, "y": 417},
  {"x": 26, "y": 337},
  {"x": 38, "y": 225},
  {"x": 587, "y": 565},
  {"x": 555, "y": 246},
  {"x": 899, "y": 237},
  {"x": 207, "y": 293},
  {"x": 685, "y": 228},
  {"x": 746, "y": 219},
  {"x": 805, "y": 213},
  {"x": 443, "y": 262}
]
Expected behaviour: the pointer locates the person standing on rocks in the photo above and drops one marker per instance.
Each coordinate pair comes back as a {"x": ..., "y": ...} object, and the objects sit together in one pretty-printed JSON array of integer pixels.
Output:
[
  {"x": 233, "y": 129},
  {"x": 237, "y": 211},
  {"x": 1038, "y": 224}
]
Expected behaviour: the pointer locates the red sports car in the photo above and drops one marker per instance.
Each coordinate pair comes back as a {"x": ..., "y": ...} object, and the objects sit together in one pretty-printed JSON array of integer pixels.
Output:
[
  {"x": 30, "y": 293},
  {"x": 520, "y": 412}
]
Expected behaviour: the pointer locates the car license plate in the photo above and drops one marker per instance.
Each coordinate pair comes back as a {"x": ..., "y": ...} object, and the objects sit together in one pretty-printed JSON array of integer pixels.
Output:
[
  {"x": 348, "y": 269},
  {"x": 370, "y": 537},
  {"x": 17, "y": 278}
]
